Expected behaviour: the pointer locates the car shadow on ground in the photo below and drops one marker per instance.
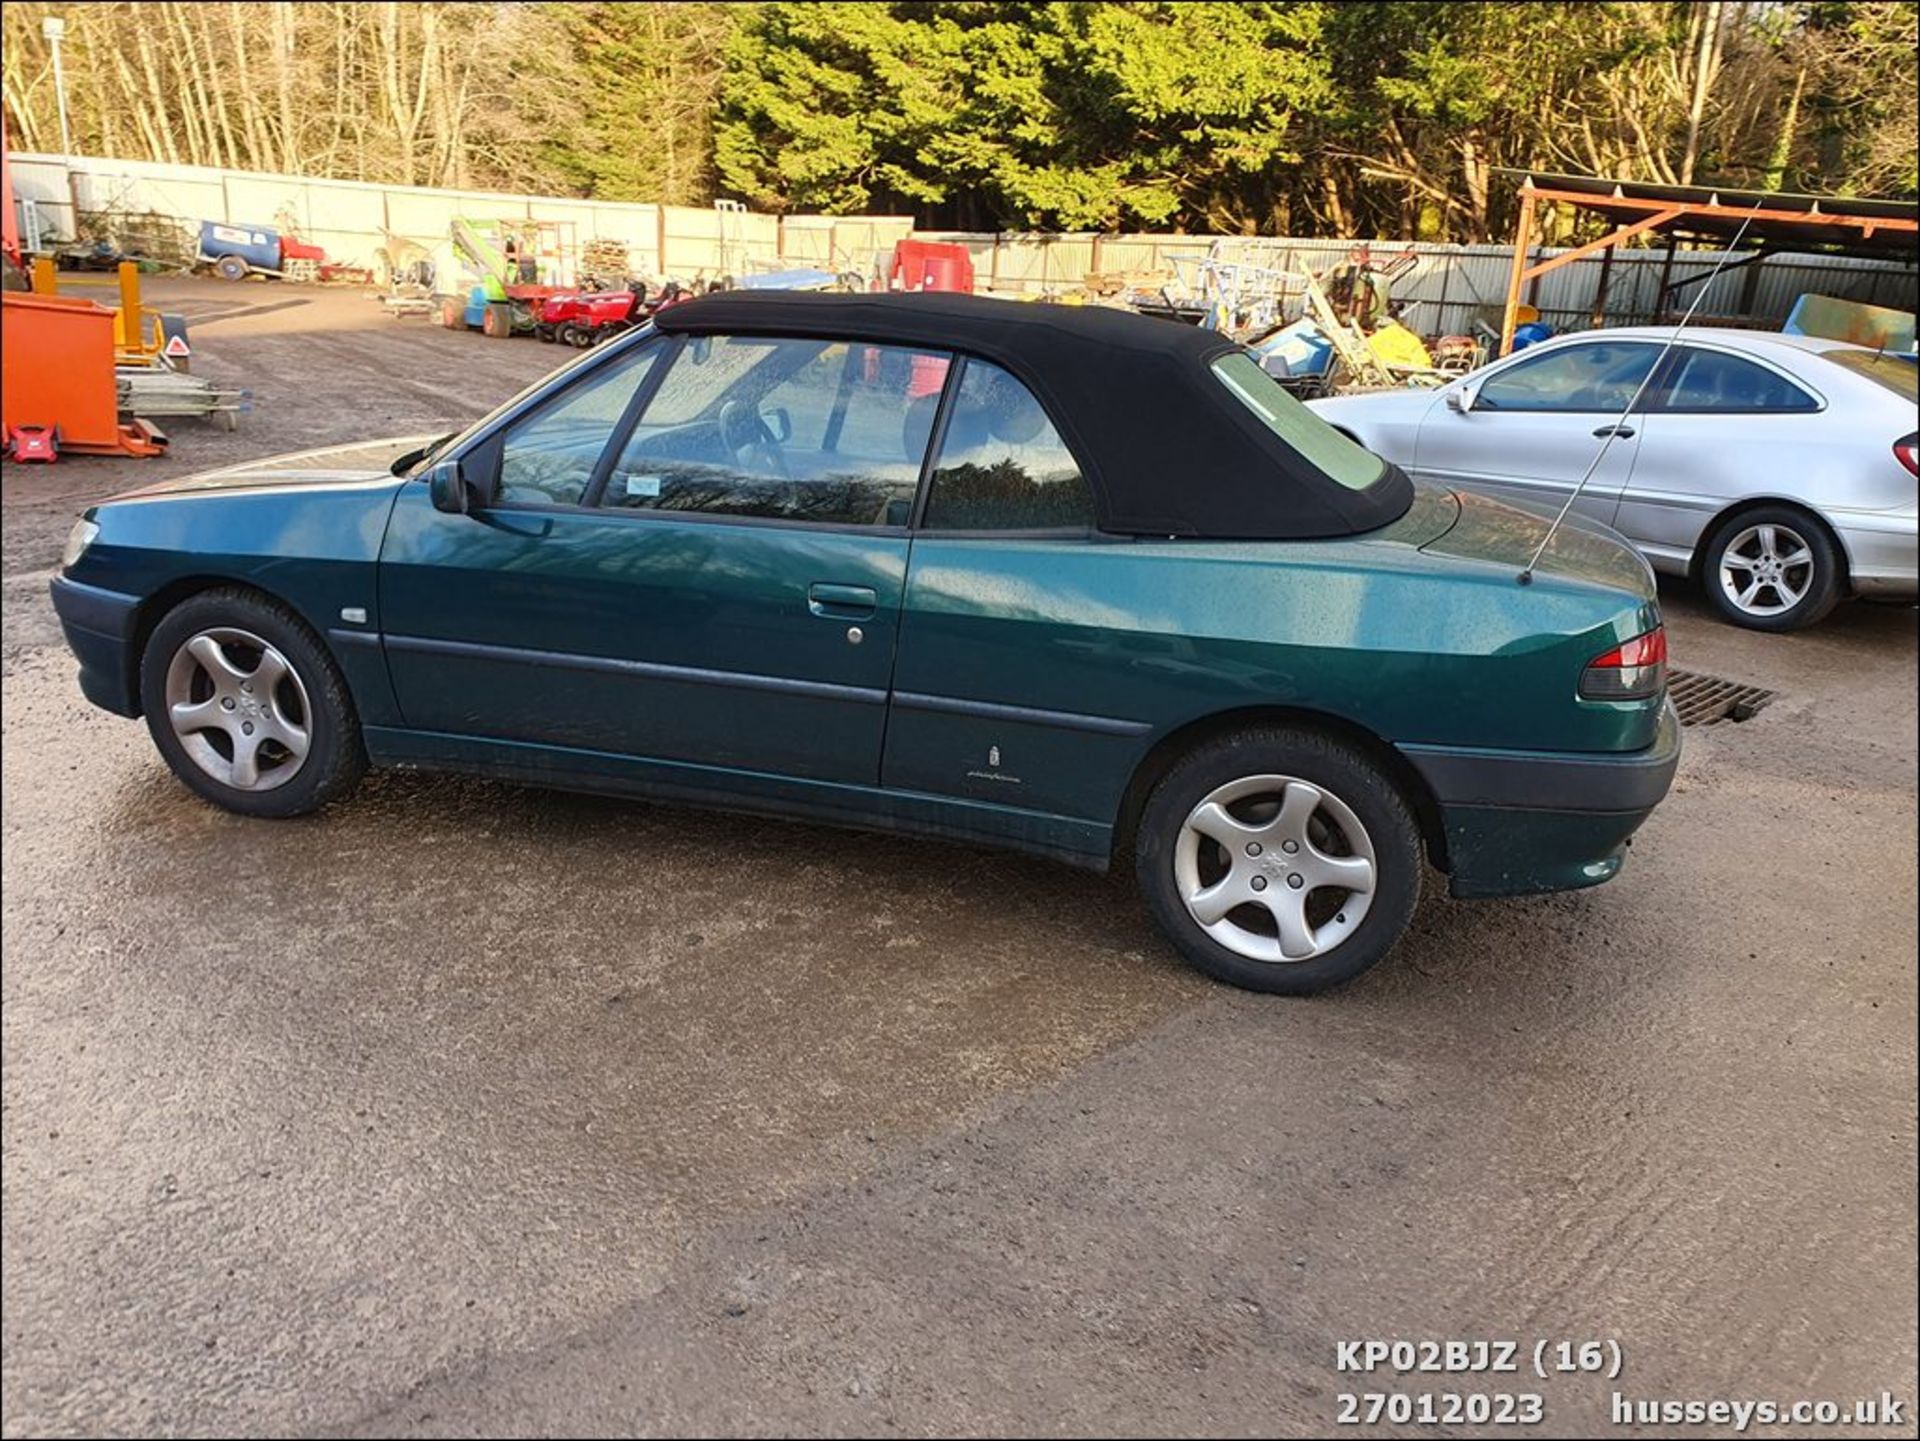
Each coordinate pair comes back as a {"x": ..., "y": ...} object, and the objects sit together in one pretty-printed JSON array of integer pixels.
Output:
[{"x": 644, "y": 874}]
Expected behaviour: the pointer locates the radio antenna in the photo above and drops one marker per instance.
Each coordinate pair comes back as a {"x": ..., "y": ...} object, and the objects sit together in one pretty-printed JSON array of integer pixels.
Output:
[{"x": 1606, "y": 436}]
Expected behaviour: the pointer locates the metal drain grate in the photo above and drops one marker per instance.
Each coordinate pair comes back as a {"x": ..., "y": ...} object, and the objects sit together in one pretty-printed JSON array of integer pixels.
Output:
[{"x": 1705, "y": 700}]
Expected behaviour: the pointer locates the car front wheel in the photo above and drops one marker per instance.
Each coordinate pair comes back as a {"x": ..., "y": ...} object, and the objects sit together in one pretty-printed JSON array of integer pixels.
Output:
[
  {"x": 1279, "y": 860},
  {"x": 1773, "y": 568},
  {"x": 247, "y": 708}
]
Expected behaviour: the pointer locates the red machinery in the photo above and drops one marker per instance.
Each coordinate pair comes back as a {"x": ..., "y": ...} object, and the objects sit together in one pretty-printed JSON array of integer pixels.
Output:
[
  {"x": 931, "y": 265},
  {"x": 33, "y": 442},
  {"x": 587, "y": 317}
]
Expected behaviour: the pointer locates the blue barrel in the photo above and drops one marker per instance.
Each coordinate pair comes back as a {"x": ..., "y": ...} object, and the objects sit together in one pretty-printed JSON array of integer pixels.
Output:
[{"x": 1532, "y": 333}]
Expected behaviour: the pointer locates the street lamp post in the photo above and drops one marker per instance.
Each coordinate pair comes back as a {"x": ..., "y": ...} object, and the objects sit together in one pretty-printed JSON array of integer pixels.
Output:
[{"x": 53, "y": 27}]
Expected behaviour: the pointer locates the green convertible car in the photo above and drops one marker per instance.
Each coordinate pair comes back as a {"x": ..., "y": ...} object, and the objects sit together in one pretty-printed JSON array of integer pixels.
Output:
[{"x": 1062, "y": 579}]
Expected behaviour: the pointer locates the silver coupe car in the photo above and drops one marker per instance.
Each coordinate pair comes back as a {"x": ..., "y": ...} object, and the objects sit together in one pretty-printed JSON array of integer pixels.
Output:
[{"x": 1778, "y": 471}]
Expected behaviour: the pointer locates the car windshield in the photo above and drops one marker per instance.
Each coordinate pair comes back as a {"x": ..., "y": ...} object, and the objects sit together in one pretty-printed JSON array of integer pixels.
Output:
[
  {"x": 1892, "y": 372},
  {"x": 1340, "y": 459}
]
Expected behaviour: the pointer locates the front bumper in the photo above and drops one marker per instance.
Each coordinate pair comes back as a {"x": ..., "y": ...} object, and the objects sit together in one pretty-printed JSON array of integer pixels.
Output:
[
  {"x": 1521, "y": 822},
  {"x": 99, "y": 626}
]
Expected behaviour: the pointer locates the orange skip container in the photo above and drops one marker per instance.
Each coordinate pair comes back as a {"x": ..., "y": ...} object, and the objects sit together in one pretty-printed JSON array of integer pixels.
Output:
[{"x": 56, "y": 369}]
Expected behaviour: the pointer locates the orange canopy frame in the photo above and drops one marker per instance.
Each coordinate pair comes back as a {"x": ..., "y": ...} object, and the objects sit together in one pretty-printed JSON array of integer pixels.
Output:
[{"x": 1772, "y": 221}]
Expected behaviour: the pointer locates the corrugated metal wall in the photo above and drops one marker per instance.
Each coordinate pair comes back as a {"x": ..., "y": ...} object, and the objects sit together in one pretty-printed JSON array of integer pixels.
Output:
[{"x": 1453, "y": 286}]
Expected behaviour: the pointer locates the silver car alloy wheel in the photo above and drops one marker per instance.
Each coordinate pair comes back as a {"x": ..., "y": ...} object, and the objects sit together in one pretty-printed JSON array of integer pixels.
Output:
[
  {"x": 1275, "y": 869},
  {"x": 239, "y": 709},
  {"x": 1767, "y": 570}
]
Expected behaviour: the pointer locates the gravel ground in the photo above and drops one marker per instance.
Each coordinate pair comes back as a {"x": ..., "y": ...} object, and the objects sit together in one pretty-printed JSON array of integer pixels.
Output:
[{"x": 467, "y": 1108}]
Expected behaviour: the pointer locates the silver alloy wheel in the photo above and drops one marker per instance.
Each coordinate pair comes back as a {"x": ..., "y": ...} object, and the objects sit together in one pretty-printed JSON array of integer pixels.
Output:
[
  {"x": 1275, "y": 869},
  {"x": 239, "y": 709},
  {"x": 1767, "y": 569}
]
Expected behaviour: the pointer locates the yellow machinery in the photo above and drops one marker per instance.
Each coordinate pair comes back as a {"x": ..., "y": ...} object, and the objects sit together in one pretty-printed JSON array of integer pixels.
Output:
[
  {"x": 150, "y": 359},
  {"x": 139, "y": 334}
]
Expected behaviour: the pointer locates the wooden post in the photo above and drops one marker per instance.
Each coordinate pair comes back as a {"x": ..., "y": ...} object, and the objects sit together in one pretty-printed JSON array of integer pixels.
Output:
[
  {"x": 1522, "y": 240},
  {"x": 1666, "y": 275},
  {"x": 1751, "y": 288},
  {"x": 1600, "y": 292}
]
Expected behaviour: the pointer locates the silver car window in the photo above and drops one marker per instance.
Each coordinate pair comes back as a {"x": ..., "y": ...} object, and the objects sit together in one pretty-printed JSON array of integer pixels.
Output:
[
  {"x": 1711, "y": 382},
  {"x": 1599, "y": 376}
]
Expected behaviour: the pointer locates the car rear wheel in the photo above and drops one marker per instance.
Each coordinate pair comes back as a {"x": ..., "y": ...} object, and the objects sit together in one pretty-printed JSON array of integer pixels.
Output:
[
  {"x": 1774, "y": 568},
  {"x": 1279, "y": 860},
  {"x": 247, "y": 708}
]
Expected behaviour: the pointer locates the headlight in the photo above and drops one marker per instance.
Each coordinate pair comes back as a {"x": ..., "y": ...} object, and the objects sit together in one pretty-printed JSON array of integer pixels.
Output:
[{"x": 78, "y": 539}]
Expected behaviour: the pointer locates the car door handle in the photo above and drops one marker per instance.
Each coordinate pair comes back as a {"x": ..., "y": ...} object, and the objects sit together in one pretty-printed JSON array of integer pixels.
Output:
[
  {"x": 842, "y": 602},
  {"x": 1623, "y": 431}
]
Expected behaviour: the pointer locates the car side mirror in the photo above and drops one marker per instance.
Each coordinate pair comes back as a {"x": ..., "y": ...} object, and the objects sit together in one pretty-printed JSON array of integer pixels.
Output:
[
  {"x": 1461, "y": 400},
  {"x": 779, "y": 424},
  {"x": 450, "y": 491}
]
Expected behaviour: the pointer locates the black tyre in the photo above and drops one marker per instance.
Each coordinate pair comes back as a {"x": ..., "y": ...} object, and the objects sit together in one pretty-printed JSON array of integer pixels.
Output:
[
  {"x": 543, "y": 333},
  {"x": 1772, "y": 568},
  {"x": 247, "y": 707},
  {"x": 1279, "y": 860},
  {"x": 452, "y": 314},
  {"x": 497, "y": 323},
  {"x": 231, "y": 267}
]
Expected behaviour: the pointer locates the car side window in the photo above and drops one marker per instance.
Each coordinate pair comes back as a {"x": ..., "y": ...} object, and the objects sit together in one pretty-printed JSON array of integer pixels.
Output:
[
  {"x": 1713, "y": 381},
  {"x": 548, "y": 457},
  {"x": 783, "y": 429},
  {"x": 1599, "y": 375},
  {"x": 1002, "y": 465}
]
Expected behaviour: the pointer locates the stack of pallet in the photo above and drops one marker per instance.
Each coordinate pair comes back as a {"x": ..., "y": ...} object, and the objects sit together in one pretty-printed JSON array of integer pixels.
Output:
[{"x": 607, "y": 261}]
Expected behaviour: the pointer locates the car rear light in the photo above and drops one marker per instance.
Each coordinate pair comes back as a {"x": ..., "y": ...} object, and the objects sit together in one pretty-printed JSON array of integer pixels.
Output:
[
  {"x": 1907, "y": 452},
  {"x": 1635, "y": 670}
]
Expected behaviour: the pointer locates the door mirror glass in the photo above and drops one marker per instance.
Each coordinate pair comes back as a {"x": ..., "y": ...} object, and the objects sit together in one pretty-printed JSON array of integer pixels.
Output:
[{"x": 448, "y": 489}]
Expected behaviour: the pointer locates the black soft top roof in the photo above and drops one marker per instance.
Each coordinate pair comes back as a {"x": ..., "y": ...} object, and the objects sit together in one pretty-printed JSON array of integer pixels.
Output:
[{"x": 1167, "y": 447}]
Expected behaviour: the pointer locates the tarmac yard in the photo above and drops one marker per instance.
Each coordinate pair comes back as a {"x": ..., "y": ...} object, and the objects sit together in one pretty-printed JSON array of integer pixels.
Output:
[{"x": 468, "y": 1108}]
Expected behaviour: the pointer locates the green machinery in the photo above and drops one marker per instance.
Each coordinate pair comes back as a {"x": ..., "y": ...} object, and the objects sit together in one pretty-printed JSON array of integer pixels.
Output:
[{"x": 515, "y": 265}]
